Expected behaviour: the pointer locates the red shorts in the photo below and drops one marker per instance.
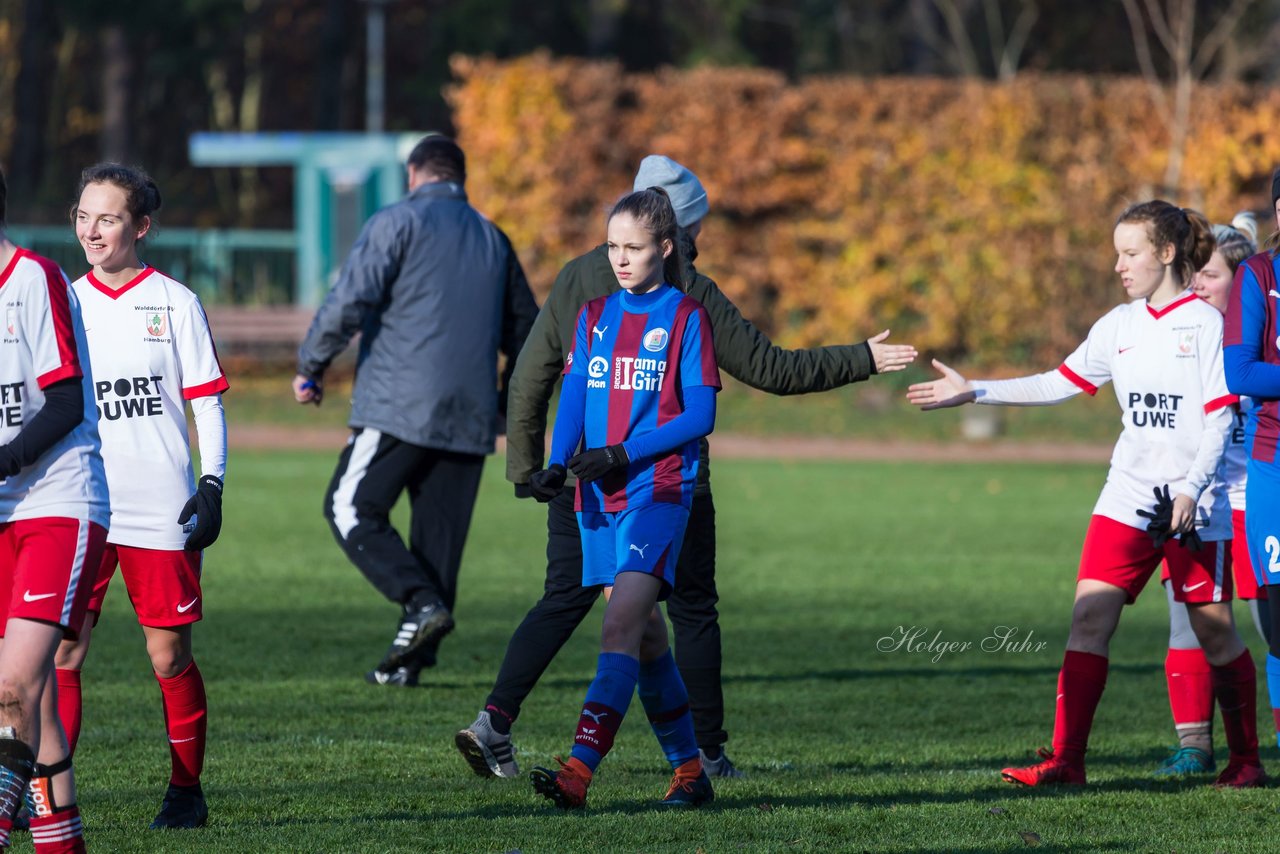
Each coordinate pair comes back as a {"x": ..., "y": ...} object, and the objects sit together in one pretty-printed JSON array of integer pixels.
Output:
[
  {"x": 1124, "y": 556},
  {"x": 1246, "y": 583},
  {"x": 163, "y": 585},
  {"x": 46, "y": 570}
]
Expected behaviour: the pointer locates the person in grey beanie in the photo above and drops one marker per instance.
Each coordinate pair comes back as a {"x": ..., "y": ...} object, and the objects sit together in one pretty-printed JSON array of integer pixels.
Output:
[{"x": 741, "y": 350}]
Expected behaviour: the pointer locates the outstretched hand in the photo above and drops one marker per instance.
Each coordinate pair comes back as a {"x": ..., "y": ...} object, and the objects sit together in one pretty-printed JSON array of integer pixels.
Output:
[
  {"x": 890, "y": 357},
  {"x": 949, "y": 390}
]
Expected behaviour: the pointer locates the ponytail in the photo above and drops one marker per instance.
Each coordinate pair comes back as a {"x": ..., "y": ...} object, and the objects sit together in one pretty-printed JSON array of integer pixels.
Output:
[{"x": 1185, "y": 229}]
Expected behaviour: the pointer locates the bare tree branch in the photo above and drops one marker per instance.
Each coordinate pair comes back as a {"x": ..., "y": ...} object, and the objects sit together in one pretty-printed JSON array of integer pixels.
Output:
[
  {"x": 1160, "y": 24},
  {"x": 1218, "y": 36},
  {"x": 1142, "y": 47},
  {"x": 965, "y": 56},
  {"x": 1011, "y": 56}
]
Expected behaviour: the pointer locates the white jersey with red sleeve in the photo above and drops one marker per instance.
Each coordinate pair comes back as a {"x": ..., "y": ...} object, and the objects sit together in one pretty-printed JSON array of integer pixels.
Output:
[
  {"x": 43, "y": 342},
  {"x": 152, "y": 350},
  {"x": 1166, "y": 366}
]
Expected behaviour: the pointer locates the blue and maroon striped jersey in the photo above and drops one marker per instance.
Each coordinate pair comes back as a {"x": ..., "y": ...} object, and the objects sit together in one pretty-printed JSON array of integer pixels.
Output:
[
  {"x": 638, "y": 355},
  {"x": 1251, "y": 352}
]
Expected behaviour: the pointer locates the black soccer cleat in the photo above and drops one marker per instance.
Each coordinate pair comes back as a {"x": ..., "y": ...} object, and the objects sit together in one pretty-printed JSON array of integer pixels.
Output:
[
  {"x": 183, "y": 809},
  {"x": 420, "y": 629}
]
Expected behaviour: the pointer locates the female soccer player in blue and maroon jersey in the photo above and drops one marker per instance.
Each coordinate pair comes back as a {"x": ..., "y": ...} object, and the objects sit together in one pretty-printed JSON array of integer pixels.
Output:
[
  {"x": 639, "y": 391},
  {"x": 1162, "y": 353},
  {"x": 1251, "y": 356}
]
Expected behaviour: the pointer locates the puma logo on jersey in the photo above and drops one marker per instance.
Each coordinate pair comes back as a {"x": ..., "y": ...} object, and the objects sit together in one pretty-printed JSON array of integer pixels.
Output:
[
  {"x": 599, "y": 332},
  {"x": 595, "y": 716},
  {"x": 639, "y": 549}
]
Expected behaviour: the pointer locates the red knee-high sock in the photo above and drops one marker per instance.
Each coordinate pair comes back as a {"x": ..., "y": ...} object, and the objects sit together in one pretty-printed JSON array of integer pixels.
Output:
[
  {"x": 70, "y": 706},
  {"x": 186, "y": 712},
  {"x": 1236, "y": 686},
  {"x": 1190, "y": 682},
  {"x": 1080, "y": 684},
  {"x": 58, "y": 833}
]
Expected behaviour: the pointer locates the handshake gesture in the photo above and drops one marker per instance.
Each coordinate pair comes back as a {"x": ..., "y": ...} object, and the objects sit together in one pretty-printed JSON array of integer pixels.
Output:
[{"x": 1168, "y": 518}]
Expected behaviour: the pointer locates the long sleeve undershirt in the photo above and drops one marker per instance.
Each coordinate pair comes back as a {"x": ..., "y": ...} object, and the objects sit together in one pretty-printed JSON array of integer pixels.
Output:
[
  {"x": 211, "y": 432},
  {"x": 695, "y": 422}
]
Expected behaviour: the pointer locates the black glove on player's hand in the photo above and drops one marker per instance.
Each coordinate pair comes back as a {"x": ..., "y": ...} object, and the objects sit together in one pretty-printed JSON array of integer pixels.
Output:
[
  {"x": 206, "y": 506},
  {"x": 1191, "y": 540},
  {"x": 1161, "y": 516},
  {"x": 598, "y": 462},
  {"x": 546, "y": 484}
]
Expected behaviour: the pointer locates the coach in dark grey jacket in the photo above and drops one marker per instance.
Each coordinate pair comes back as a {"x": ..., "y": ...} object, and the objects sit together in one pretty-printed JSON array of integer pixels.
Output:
[{"x": 436, "y": 291}]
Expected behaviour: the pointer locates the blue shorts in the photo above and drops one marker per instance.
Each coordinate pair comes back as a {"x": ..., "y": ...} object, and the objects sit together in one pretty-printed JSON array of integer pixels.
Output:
[
  {"x": 645, "y": 539},
  {"x": 1262, "y": 520}
]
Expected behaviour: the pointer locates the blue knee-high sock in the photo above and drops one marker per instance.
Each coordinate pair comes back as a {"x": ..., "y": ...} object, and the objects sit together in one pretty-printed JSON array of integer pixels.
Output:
[
  {"x": 1273, "y": 688},
  {"x": 606, "y": 705},
  {"x": 666, "y": 702}
]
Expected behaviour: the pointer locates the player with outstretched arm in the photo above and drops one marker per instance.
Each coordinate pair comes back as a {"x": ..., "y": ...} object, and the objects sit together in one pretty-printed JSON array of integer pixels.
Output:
[{"x": 1162, "y": 350}]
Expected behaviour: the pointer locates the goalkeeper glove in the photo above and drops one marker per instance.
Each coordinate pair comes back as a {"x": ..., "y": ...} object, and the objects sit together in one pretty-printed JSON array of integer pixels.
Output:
[
  {"x": 1161, "y": 516},
  {"x": 546, "y": 484},
  {"x": 597, "y": 462},
  {"x": 206, "y": 506}
]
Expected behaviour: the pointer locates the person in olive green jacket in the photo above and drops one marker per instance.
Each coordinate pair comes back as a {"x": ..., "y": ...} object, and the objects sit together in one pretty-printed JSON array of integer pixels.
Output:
[{"x": 744, "y": 352}]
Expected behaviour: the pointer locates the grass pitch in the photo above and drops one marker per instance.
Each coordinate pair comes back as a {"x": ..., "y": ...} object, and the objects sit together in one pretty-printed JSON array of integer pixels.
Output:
[{"x": 862, "y": 703}]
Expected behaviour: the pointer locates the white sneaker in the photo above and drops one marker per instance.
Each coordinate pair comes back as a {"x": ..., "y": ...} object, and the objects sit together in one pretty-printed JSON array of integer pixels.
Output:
[
  {"x": 721, "y": 767},
  {"x": 489, "y": 753}
]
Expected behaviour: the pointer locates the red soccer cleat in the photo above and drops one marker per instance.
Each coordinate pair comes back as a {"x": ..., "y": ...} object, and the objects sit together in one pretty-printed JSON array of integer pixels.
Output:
[
  {"x": 1051, "y": 770},
  {"x": 566, "y": 788},
  {"x": 1241, "y": 775}
]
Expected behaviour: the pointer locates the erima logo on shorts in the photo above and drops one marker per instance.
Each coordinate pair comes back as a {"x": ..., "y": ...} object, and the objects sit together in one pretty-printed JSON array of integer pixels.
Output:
[
  {"x": 1159, "y": 410},
  {"x": 11, "y": 395},
  {"x": 129, "y": 397}
]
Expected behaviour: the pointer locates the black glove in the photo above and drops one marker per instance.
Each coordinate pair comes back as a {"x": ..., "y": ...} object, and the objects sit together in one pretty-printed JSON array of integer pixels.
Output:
[
  {"x": 1161, "y": 516},
  {"x": 1191, "y": 540},
  {"x": 524, "y": 490},
  {"x": 546, "y": 484},
  {"x": 206, "y": 506},
  {"x": 597, "y": 462}
]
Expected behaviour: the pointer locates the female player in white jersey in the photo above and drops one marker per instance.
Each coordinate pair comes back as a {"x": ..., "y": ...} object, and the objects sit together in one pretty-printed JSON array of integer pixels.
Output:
[
  {"x": 1186, "y": 669},
  {"x": 153, "y": 353},
  {"x": 53, "y": 526},
  {"x": 1163, "y": 352}
]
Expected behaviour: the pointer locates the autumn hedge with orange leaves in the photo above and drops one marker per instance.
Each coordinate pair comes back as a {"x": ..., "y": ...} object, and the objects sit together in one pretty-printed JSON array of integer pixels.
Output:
[{"x": 973, "y": 218}]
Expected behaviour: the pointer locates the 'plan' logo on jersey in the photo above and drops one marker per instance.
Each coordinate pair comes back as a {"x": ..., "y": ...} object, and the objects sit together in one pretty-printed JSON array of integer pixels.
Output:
[
  {"x": 157, "y": 323},
  {"x": 1186, "y": 342},
  {"x": 11, "y": 321}
]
